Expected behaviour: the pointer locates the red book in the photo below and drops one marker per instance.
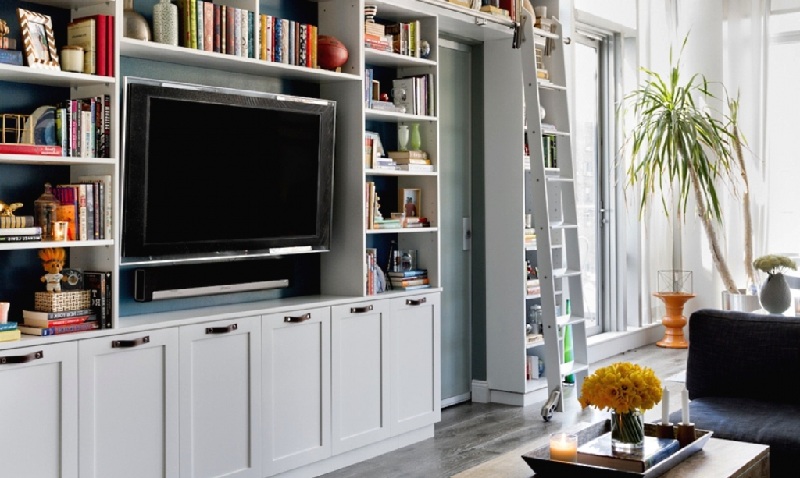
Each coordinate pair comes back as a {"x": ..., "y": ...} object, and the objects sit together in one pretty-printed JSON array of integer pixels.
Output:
[
  {"x": 230, "y": 36},
  {"x": 22, "y": 148},
  {"x": 101, "y": 55},
  {"x": 45, "y": 323},
  {"x": 217, "y": 28},
  {"x": 208, "y": 26},
  {"x": 110, "y": 45},
  {"x": 59, "y": 329}
]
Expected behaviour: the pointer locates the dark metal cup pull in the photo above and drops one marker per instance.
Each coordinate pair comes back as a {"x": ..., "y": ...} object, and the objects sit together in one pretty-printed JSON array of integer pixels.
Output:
[
  {"x": 297, "y": 319},
  {"x": 124, "y": 344},
  {"x": 416, "y": 301},
  {"x": 221, "y": 330},
  {"x": 22, "y": 358},
  {"x": 360, "y": 310}
]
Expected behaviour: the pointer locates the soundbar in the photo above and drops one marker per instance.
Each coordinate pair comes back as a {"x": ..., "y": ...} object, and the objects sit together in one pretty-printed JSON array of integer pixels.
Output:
[{"x": 195, "y": 280}]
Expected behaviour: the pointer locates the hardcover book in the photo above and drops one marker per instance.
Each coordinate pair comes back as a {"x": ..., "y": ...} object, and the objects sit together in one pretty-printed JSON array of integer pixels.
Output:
[
  {"x": 10, "y": 335},
  {"x": 16, "y": 221},
  {"x": 60, "y": 329},
  {"x": 411, "y": 273},
  {"x": 11, "y": 57},
  {"x": 45, "y": 323},
  {"x": 20, "y": 231},
  {"x": 22, "y": 238},
  {"x": 8, "y": 326},
  {"x": 99, "y": 285},
  {"x": 65, "y": 314},
  {"x": 412, "y": 154},
  {"x": 598, "y": 452},
  {"x": 24, "y": 148}
]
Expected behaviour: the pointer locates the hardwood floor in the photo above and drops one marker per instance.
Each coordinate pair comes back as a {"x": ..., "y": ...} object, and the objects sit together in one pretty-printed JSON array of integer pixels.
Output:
[{"x": 472, "y": 433}]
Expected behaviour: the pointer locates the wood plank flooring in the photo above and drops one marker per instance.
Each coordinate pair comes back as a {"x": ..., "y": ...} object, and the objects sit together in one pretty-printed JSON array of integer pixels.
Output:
[{"x": 472, "y": 433}]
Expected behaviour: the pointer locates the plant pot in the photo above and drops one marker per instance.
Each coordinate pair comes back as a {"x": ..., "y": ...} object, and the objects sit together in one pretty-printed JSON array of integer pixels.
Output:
[
  {"x": 742, "y": 302},
  {"x": 775, "y": 295}
]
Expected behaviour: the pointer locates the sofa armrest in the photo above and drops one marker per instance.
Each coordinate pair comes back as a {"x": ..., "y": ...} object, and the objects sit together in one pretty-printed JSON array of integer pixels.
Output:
[{"x": 742, "y": 354}]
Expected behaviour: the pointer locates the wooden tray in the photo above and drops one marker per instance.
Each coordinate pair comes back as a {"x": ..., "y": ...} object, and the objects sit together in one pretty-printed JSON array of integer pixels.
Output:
[{"x": 540, "y": 462}]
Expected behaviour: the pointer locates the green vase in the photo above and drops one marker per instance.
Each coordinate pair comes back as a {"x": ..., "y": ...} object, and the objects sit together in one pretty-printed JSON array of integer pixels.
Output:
[
  {"x": 416, "y": 139},
  {"x": 627, "y": 430}
]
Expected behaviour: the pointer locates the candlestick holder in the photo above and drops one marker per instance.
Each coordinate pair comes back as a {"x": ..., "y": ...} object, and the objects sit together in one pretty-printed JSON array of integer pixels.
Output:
[
  {"x": 685, "y": 433},
  {"x": 663, "y": 430}
]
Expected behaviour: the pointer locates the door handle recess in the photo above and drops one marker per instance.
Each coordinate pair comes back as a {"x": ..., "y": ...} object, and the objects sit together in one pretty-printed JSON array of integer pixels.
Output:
[
  {"x": 360, "y": 310},
  {"x": 416, "y": 301},
  {"x": 124, "y": 344}
]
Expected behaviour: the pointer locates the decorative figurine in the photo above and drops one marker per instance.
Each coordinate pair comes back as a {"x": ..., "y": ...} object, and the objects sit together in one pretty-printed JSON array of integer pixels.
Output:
[
  {"x": 8, "y": 209},
  {"x": 53, "y": 260}
]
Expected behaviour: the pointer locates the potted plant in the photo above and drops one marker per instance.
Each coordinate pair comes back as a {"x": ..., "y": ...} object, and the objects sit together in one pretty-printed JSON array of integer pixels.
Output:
[{"x": 680, "y": 145}]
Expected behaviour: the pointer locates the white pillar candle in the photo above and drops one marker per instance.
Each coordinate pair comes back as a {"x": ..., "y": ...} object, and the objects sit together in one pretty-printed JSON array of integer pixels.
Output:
[
  {"x": 564, "y": 447},
  {"x": 685, "y": 406},
  {"x": 665, "y": 407}
]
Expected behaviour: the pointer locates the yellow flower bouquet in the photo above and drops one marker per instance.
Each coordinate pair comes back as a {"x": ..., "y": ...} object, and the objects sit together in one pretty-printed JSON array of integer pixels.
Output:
[{"x": 626, "y": 389}]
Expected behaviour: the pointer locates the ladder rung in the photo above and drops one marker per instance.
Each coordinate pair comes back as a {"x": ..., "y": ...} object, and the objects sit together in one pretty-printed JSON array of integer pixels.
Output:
[
  {"x": 562, "y": 225},
  {"x": 562, "y": 320},
  {"x": 573, "y": 368},
  {"x": 562, "y": 273},
  {"x": 555, "y": 132},
  {"x": 546, "y": 85}
]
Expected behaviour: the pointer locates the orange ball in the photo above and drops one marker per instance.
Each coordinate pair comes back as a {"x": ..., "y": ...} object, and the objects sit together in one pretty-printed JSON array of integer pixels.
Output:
[{"x": 331, "y": 53}]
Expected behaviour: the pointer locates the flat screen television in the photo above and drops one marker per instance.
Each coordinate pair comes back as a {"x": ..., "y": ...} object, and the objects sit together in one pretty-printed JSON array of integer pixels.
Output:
[{"x": 216, "y": 173}]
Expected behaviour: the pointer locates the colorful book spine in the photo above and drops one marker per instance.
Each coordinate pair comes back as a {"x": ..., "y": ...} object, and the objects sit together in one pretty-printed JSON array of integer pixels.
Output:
[
  {"x": 199, "y": 27},
  {"x": 59, "y": 330},
  {"x": 10, "y": 335},
  {"x": 8, "y": 326},
  {"x": 31, "y": 322},
  {"x": 231, "y": 31},
  {"x": 208, "y": 26},
  {"x": 11, "y": 57},
  {"x": 99, "y": 283},
  {"x": 217, "y": 28},
  {"x": 37, "y": 314}
]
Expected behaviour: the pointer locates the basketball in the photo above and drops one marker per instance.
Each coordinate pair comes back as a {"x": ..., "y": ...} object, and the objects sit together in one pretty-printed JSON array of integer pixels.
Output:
[{"x": 331, "y": 53}]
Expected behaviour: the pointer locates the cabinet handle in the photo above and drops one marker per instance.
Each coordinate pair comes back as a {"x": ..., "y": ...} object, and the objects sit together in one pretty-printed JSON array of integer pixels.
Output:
[
  {"x": 124, "y": 344},
  {"x": 221, "y": 330},
  {"x": 416, "y": 301},
  {"x": 360, "y": 310},
  {"x": 22, "y": 358},
  {"x": 298, "y": 319}
]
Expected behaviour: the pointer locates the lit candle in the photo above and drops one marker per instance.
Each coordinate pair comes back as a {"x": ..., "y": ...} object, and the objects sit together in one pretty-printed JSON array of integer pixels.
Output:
[
  {"x": 665, "y": 407},
  {"x": 564, "y": 447},
  {"x": 685, "y": 406}
]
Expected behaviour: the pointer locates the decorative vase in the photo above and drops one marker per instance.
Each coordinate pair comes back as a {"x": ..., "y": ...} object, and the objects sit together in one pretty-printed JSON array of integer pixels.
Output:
[
  {"x": 165, "y": 23},
  {"x": 134, "y": 24},
  {"x": 673, "y": 320},
  {"x": 775, "y": 295},
  {"x": 416, "y": 139},
  {"x": 627, "y": 430},
  {"x": 402, "y": 137}
]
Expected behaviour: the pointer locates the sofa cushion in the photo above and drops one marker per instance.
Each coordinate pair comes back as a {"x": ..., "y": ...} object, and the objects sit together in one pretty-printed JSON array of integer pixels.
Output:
[
  {"x": 753, "y": 421},
  {"x": 740, "y": 354}
]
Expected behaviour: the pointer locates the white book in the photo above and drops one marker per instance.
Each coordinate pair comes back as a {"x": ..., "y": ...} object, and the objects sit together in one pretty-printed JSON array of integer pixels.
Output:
[{"x": 108, "y": 201}]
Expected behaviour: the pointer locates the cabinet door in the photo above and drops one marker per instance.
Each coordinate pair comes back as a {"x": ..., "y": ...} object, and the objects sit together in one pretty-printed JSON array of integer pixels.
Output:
[
  {"x": 359, "y": 374},
  {"x": 220, "y": 396},
  {"x": 129, "y": 401},
  {"x": 297, "y": 388},
  {"x": 415, "y": 358},
  {"x": 39, "y": 423}
]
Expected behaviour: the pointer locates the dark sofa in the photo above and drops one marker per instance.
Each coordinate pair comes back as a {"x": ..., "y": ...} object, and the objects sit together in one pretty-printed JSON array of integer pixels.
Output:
[{"x": 742, "y": 374}]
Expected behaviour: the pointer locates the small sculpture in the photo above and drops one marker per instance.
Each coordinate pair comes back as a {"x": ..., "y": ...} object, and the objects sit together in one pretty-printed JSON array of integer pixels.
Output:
[
  {"x": 53, "y": 260},
  {"x": 8, "y": 209}
]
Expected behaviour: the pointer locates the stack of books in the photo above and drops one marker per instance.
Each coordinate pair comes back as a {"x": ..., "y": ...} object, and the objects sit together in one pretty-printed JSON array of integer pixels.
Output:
[
  {"x": 409, "y": 280},
  {"x": 598, "y": 452},
  {"x": 35, "y": 322},
  {"x": 9, "y": 332},
  {"x": 9, "y": 53},
  {"x": 20, "y": 234},
  {"x": 416, "y": 222}
]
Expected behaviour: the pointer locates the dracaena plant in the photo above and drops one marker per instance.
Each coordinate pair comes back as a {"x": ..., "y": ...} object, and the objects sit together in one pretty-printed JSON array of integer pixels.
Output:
[{"x": 680, "y": 145}]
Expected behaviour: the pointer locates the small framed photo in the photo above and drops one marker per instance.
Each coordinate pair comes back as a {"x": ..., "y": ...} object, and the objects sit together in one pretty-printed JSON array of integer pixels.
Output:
[
  {"x": 411, "y": 201},
  {"x": 38, "y": 41}
]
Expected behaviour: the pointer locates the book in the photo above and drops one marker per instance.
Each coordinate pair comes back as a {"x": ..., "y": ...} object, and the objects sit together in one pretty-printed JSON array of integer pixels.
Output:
[
  {"x": 411, "y": 154},
  {"x": 598, "y": 452},
  {"x": 101, "y": 54},
  {"x": 208, "y": 26},
  {"x": 83, "y": 33},
  {"x": 23, "y": 238},
  {"x": 16, "y": 221},
  {"x": 20, "y": 231},
  {"x": 60, "y": 329},
  {"x": 398, "y": 282},
  {"x": 410, "y": 287},
  {"x": 420, "y": 168},
  {"x": 409, "y": 273},
  {"x": 8, "y": 326},
  {"x": 405, "y": 92},
  {"x": 80, "y": 319},
  {"x": 67, "y": 209},
  {"x": 10, "y": 335},
  {"x": 25, "y": 148},
  {"x": 64, "y": 314},
  {"x": 99, "y": 284},
  {"x": 11, "y": 57},
  {"x": 107, "y": 200}
]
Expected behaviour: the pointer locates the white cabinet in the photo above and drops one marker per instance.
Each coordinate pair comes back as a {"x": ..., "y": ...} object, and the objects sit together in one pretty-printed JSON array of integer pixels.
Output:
[
  {"x": 296, "y": 371},
  {"x": 415, "y": 358},
  {"x": 129, "y": 401},
  {"x": 359, "y": 374},
  {"x": 220, "y": 416},
  {"x": 39, "y": 423}
]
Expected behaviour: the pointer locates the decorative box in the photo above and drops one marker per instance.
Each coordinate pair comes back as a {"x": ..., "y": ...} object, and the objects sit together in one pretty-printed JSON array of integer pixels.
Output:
[{"x": 61, "y": 301}]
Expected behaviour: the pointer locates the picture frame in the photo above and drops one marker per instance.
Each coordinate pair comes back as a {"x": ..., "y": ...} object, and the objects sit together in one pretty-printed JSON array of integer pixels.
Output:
[
  {"x": 38, "y": 41},
  {"x": 411, "y": 202}
]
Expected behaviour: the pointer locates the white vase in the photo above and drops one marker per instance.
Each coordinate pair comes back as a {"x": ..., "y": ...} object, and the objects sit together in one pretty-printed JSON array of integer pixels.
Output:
[
  {"x": 403, "y": 137},
  {"x": 775, "y": 294},
  {"x": 165, "y": 23}
]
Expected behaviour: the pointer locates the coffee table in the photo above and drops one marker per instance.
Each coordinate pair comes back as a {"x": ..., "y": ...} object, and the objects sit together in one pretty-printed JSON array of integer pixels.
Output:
[{"x": 718, "y": 458}]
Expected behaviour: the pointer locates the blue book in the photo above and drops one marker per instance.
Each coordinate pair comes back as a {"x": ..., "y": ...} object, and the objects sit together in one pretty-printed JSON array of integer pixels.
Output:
[
  {"x": 8, "y": 326},
  {"x": 11, "y": 57},
  {"x": 276, "y": 48},
  {"x": 598, "y": 452}
]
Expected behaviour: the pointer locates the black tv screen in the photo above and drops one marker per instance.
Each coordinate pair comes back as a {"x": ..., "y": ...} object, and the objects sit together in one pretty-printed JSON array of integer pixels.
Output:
[{"x": 215, "y": 172}]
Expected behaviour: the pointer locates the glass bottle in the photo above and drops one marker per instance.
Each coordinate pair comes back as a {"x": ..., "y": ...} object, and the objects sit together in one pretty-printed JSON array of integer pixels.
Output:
[{"x": 45, "y": 209}]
